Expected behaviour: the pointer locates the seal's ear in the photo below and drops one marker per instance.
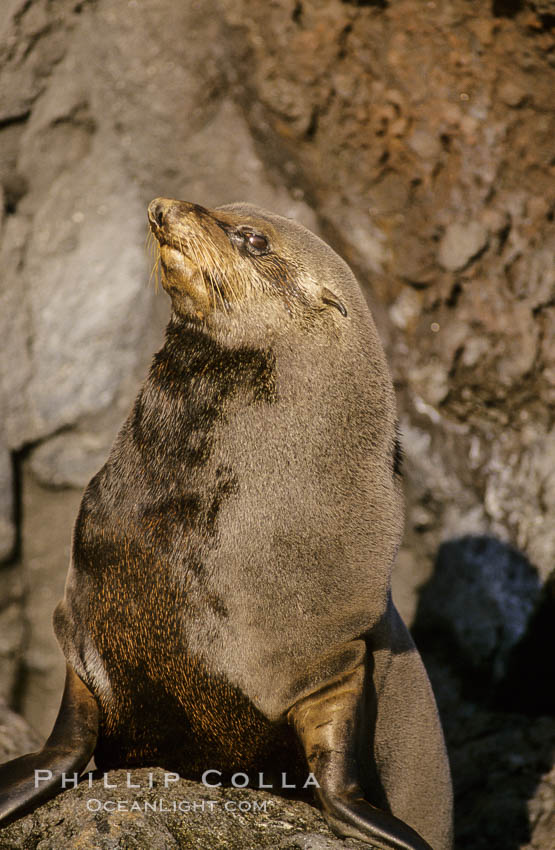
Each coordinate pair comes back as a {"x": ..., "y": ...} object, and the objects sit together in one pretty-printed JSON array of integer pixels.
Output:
[{"x": 328, "y": 297}]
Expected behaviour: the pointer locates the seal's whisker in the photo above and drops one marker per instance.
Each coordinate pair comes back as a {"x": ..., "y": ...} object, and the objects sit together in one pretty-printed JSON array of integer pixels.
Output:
[
  {"x": 195, "y": 255},
  {"x": 208, "y": 282},
  {"x": 216, "y": 289},
  {"x": 216, "y": 292},
  {"x": 151, "y": 245},
  {"x": 154, "y": 271},
  {"x": 212, "y": 259},
  {"x": 199, "y": 263}
]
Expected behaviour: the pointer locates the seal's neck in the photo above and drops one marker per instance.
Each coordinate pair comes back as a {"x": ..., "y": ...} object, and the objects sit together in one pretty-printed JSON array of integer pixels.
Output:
[
  {"x": 193, "y": 384},
  {"x": 194, "y": 367}
]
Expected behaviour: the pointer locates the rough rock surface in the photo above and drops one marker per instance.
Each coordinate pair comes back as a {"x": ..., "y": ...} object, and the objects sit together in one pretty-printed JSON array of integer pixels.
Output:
[
  {"x": 7, "y": 523},
  {"x": 418, "y": 139},
  {"x": 16, "y": 736},
  {"x": 207, "y": 819}
]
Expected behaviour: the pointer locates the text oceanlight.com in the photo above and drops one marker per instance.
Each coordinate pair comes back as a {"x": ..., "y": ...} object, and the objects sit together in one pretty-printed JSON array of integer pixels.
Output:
[{"x": 172, "y": 806}]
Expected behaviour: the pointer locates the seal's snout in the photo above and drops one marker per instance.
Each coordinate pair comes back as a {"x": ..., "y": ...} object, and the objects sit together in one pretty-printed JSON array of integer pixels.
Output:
[
  {"x": 157, "y": 212},
  {"x": 166, "y": 216}
]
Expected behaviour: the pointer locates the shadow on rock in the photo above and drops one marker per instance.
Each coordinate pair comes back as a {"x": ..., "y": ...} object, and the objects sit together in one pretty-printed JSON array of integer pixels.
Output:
[{"x": 485, "y": 629}]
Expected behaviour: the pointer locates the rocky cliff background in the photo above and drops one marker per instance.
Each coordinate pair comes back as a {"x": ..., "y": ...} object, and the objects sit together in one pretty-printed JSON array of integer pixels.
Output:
[{"x": 418, "y": 139}]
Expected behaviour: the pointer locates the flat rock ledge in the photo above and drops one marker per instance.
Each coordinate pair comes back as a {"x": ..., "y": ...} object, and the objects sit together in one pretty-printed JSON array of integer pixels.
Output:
[{"x": 183, "y": 815}]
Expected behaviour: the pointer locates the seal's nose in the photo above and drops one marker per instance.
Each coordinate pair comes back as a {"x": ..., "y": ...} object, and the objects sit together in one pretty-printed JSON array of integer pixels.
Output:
[{"x": 157, "y": 211}]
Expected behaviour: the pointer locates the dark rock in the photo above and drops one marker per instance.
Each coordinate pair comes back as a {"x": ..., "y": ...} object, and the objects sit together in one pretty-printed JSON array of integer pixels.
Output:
[
  {"x": 481, "y": 595},
  {"x": 529, "y": 682}
]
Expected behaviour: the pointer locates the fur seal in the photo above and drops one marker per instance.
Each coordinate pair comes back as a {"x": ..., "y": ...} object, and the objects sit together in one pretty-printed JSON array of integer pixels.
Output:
[{"x": 228, "y": 600}]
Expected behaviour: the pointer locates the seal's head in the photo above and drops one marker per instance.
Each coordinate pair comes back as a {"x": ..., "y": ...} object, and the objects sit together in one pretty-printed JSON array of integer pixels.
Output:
[
  {"x": 238, "y": 266},
  {"x": 244, "y": 279}
]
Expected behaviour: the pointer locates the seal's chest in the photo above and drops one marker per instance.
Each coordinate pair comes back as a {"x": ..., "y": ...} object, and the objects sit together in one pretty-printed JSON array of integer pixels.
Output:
[{"x": 171, "y": 711}]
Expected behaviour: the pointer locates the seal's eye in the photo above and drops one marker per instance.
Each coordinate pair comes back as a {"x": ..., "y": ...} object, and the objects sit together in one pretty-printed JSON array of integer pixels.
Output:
[{"x": 255, "y": 242}]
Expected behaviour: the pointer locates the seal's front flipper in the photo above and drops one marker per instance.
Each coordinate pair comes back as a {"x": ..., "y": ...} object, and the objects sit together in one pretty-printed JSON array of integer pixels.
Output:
[
  {"x": 67, "y": 750},
  {"x": 406, "y": 745},
  {"x": 328, "y": 723}
]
